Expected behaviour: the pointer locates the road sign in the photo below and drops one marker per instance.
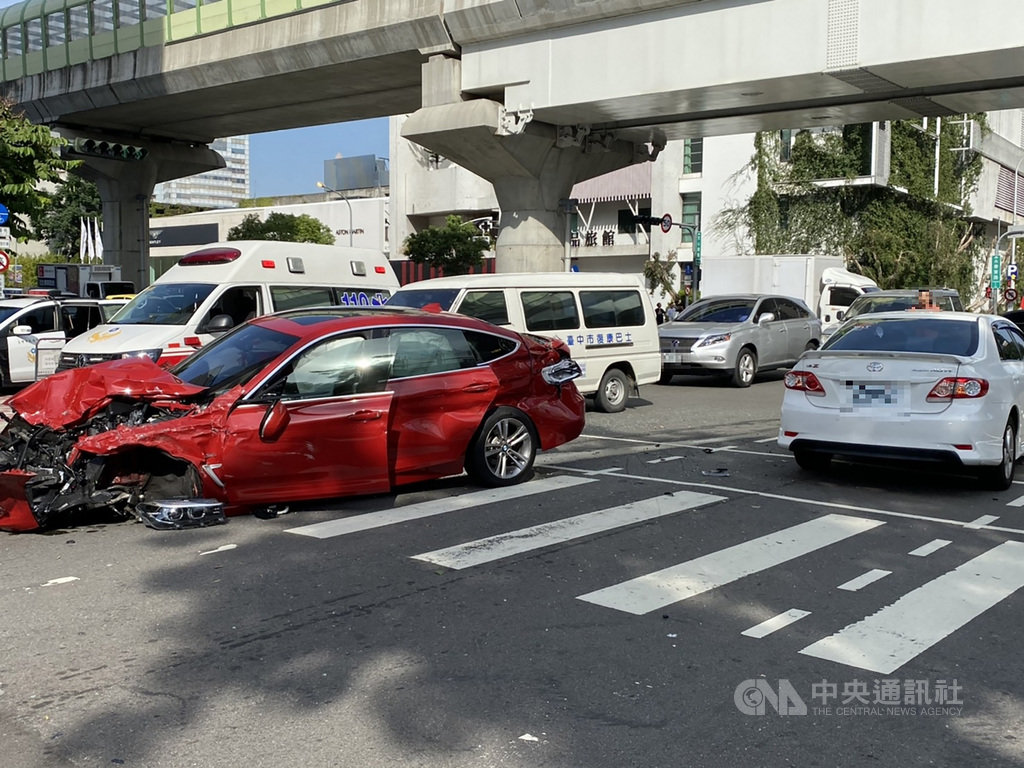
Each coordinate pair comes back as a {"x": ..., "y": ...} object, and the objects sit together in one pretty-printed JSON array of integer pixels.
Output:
[
  {"x": 1011, "y": 271},
  {"x": 5, "y": 237},
  {"x": 4, "y": 214},
  {"x": 997, "y": 271},
  {"x": 1010, "y": 295},
  {"x": 5, "y": 261},
  {"x": 696, "y": 247},
  {"x": 666, "y": 223}
]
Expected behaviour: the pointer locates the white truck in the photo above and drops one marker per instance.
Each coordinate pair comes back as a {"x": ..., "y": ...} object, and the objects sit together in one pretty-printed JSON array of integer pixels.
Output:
[
  {"x": 822, "y": 282},
  {"x": 95, "y": 281}
]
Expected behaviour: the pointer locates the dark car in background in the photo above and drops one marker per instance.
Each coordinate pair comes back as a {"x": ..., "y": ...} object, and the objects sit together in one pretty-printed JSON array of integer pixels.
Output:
[{"x": 891, "y": 300}]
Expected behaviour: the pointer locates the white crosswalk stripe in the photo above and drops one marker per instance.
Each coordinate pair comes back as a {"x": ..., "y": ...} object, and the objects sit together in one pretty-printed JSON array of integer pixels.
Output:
[
  {"x": 888, "y": 639},
  {"x": 881, "y": 642},
  {"x": 481, "y": 551},
  {"x": 346, "y": 525},
  {"x": 680, "y": 582}
]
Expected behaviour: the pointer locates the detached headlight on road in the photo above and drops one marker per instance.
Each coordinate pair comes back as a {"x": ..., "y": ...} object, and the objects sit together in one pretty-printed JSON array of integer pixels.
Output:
[
  {"x": 718, "y": 338},
  {"x": 152, "y": 354},
  {"x": 169, "y": 514}
]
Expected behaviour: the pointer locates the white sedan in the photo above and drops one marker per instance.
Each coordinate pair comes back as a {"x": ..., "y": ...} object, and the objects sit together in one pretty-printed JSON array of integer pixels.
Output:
[{"x": 940, "y": 387}]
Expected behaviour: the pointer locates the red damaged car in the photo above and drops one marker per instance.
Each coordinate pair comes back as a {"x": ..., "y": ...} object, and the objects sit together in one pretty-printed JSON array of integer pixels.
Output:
[{"x": 306, "y": 404}]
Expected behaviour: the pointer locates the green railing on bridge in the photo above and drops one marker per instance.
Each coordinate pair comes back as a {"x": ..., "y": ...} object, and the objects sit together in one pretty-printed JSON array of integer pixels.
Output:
[{"x": 41, "y": 35}]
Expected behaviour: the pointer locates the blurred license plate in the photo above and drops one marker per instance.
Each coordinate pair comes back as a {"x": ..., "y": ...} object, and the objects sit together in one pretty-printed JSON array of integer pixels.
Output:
[
  {"x": 881, "y": 393},
  {"x": 672, "y": 357}
]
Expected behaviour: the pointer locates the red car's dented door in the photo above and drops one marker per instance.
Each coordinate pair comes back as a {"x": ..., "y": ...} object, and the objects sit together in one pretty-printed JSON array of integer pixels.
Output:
[
  {"x": 434, "y": 418},
  {"x": 316, "y": 449}
]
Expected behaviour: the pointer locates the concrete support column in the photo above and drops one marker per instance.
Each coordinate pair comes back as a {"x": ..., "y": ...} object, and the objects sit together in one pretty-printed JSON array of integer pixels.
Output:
[
  {"x": 126, "y": 187},
  {"x": 532, "y": 166}
]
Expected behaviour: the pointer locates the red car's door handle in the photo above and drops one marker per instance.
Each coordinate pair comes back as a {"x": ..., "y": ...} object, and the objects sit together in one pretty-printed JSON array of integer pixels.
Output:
[
  {"x": 365, "y": 415},
  {"x": 480, "y": 386}
]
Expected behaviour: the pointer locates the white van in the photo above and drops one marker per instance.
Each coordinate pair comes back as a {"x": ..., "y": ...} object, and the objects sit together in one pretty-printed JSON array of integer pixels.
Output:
[
  {"x": 221, "y": 285},
  {"x": 606, "y": 319}
]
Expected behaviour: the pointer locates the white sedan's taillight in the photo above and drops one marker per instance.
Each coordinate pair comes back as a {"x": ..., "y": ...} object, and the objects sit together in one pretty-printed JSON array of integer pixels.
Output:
[
  {"x": 804, "y": 382},
  {"x": 953, "y": 388}
]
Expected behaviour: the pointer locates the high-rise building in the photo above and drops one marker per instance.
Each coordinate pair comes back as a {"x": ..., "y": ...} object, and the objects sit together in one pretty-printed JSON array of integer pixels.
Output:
[{"x": 222, "y": 188}]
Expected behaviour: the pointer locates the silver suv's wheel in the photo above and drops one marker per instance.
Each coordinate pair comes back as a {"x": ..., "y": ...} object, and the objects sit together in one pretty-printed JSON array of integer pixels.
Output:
[{"x": 746, "y": 368}]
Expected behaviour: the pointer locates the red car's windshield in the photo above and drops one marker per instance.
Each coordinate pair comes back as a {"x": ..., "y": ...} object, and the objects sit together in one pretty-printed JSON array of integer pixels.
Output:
[{"x": 234, "y": 358}]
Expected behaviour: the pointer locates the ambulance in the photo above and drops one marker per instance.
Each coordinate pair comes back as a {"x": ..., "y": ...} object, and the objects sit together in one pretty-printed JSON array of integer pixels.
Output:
[{"x": 221, "y": 285}]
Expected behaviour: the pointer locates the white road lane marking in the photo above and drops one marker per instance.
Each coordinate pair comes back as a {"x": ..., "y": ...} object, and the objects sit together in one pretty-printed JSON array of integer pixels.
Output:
[
  {"x": 888, "y": 639},
  {"x": 793, "y": 499},
  {"x": 61, "y": 580},
  {"x": 1018, "y": 502},
  {"x": 773, "y": 438},
  {"x": 485, "y": 550},
  {"x": 222, "y": 548},
  {"x": 982, "y": 521},
  {"x": 775, "y": 623},
  {"x": 932, "y": 546},
  {"x": 864, "y": 579},
  {"x": 695, "y": 577},
  {"x": 667, "y": 458},
  {"x": 369, "y": 520}
]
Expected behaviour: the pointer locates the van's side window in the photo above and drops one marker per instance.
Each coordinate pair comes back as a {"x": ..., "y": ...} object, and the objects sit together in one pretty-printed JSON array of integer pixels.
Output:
[
  {"x": 550, "y": 310},
  {"x": 240, "y": 303},
  {"x": 611, "y": 309},
  {"x": 486, "y": 305},
  {"x": 294, "y": 296}
]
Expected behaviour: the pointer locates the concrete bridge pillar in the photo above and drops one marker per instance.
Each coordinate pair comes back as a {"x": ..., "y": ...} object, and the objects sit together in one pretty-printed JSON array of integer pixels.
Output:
[
  {"x": 532, "y": 165},
  {"x": 126, "y": 186}
]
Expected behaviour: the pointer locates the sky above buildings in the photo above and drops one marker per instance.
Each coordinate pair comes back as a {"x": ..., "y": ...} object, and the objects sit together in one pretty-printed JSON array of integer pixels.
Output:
[{"x": 292, "y": 162}]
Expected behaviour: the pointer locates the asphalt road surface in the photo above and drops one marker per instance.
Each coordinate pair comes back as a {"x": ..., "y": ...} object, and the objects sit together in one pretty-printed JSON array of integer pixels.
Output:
[{"x": 669, "y": 590}]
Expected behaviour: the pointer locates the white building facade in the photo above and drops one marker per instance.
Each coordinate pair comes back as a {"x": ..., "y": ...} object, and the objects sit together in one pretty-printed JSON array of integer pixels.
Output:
[{"x": 692, "y": 181}]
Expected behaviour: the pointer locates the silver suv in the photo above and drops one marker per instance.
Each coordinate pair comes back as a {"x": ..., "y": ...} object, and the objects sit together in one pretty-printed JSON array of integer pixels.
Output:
[{"x": 737, "y": 336}]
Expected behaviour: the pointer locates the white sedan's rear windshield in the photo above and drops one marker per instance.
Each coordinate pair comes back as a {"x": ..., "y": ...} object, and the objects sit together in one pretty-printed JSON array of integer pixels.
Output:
[{"x": 915, "y": 333}]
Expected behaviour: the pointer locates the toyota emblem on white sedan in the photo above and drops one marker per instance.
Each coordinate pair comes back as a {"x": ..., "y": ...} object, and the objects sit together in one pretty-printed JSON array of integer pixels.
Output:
[{"x": 875, "y": 367}]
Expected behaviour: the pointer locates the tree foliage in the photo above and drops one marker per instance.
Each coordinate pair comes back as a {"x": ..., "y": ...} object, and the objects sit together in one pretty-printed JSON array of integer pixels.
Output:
[
  {"x": 454, "y": 248},
  {"x": 60, "y": 224},
  {"x": 28, "y": 156},
  {"x": 915, "y": 231},
  {"x": 285, "y": 227}
]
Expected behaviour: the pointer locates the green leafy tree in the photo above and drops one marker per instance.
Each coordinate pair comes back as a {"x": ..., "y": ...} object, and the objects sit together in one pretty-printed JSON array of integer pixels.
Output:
[
  {"x": 453, "y": 248},
  {"x": 916, "y": 231},
  {"x": 61, "y": 223},
  {"x": 285, "y": 227},
  {"x": 28, "y": 156}
]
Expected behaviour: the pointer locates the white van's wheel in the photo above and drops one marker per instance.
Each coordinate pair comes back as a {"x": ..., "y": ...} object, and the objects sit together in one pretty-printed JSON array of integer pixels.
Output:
[{"x": 614, "y": 391}]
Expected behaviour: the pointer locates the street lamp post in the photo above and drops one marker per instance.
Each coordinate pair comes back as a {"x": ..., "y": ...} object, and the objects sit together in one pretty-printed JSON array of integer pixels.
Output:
[
  {"x": 347, "y": 202},
  {"x": 1013, "y": 245}
]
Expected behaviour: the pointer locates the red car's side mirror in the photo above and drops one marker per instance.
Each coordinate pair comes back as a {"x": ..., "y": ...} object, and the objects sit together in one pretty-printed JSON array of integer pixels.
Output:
[{"x": 274, "y": 422}]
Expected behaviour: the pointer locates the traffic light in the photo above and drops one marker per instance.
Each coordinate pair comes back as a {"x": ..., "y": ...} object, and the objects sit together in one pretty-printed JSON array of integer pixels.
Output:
[
  {"x": 988, "y": 291},
  {"x": 111, "y": 150}
]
